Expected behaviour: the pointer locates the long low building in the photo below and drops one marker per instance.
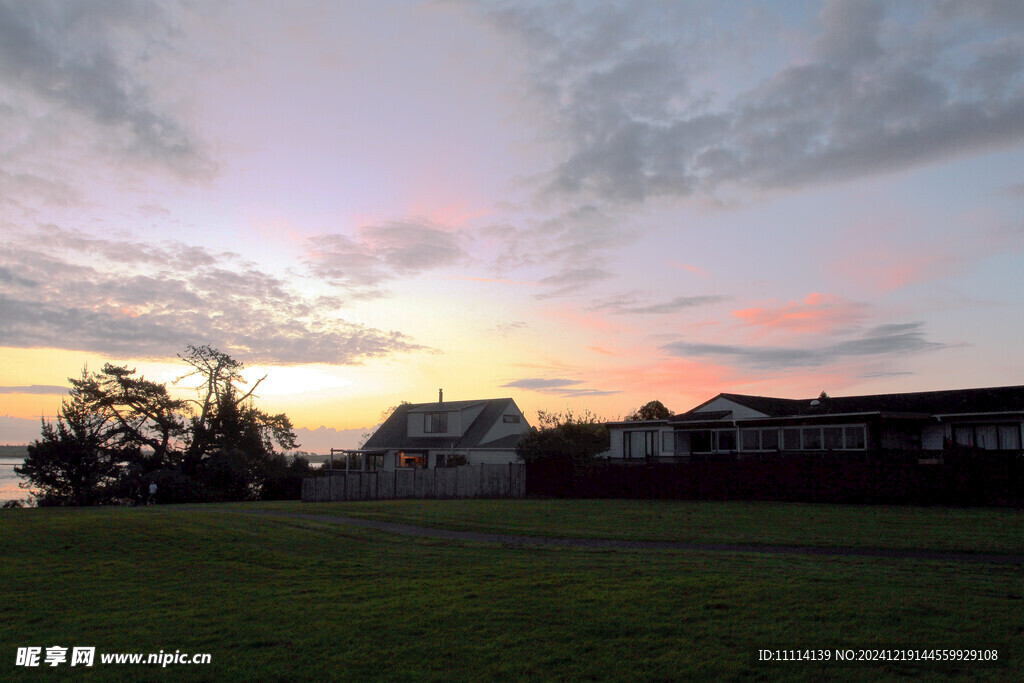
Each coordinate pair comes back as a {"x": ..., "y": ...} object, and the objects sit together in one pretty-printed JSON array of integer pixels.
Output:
[{"x": 931, "y": 422}]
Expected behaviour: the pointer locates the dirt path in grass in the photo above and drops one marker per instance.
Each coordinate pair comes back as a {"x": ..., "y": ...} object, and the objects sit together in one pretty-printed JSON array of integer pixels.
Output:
[{"x": 622, "y": 544}]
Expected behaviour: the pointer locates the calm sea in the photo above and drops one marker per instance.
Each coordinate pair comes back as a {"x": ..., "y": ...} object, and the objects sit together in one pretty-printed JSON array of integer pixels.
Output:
[{"x": 9, "y": 480}]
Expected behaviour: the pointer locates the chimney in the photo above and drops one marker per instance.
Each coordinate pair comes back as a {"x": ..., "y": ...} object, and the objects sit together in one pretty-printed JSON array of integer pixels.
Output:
[{"x": 440, "y": 395}]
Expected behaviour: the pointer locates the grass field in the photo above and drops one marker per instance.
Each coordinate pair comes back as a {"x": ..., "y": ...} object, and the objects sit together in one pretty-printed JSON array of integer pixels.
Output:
[{"x": 287, "y": 599}]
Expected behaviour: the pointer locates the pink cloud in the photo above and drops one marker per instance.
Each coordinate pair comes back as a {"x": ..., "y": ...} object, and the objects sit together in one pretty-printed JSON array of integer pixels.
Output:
[
  {"x": 816, "y": 314},
  {"x": 696, "y": 270},
  {"x": 571, "y": 318}
]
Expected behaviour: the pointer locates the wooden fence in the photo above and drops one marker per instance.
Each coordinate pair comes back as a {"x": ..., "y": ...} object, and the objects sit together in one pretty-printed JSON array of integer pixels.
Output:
[
  {"x": 890, "y": 477},
  {"x": 467, "y": 481}
]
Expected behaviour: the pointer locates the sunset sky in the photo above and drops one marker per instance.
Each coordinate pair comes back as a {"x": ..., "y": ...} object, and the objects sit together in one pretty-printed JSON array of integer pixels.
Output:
[{"x": 582, "y": 205}]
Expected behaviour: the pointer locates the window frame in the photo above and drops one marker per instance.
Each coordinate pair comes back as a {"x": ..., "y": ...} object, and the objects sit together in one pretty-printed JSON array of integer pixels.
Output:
[{"x": 433, "y": 420}]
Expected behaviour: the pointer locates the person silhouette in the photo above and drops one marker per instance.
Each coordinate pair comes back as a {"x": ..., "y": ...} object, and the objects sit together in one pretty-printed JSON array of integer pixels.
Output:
[{"x": 152, "y": 494}]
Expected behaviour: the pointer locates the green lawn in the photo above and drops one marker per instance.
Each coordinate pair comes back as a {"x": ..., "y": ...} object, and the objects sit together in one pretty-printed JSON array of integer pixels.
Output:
[{"x": 285, "y": 599}]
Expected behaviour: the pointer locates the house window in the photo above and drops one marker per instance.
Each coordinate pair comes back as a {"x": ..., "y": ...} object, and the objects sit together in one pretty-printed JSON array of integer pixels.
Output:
[
  {"x": 760, "y": 439},
  {"x": 854, "y": 437},
  {"x": 988, "y": 437},
  {"x": 510, "y": 419},
  {"x": 811, "y": 437},
  {"x": 702, "y": 441},
  {"x": 449, "y": 460},
  {"x": 639, "y": 444},
  {"x": 435, "y": 423},
  {"x": 412, "y": 460},
  {"x": 706, "y": 441},
  {"x": 791, "y": 439},
  {"x": 668, "y": 442},
  {"x": 832, "y": 437},
  {"x": 1009, "y": 437}
]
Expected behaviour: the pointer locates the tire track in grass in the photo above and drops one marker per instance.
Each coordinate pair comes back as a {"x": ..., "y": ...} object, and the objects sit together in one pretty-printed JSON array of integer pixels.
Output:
[{"x": 623, "y": 544}]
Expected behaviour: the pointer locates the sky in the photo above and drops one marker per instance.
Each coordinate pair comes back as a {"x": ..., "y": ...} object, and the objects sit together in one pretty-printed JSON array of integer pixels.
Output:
[{"x": 580, "y": 205}]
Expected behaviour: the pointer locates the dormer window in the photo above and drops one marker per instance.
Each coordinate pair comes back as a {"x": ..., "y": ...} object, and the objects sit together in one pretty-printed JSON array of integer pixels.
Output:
[{"x": 435, "y": 423}]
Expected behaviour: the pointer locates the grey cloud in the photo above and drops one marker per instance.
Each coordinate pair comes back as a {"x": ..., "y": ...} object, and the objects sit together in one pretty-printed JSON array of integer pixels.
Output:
[
  {"x": 571, "y": 280},
  {"x": 108, "y": 307},
  {"x": 37, "y": 389},
  {"x": 631, "y": 305},
  {"x": 568, "y": 388},
  {"x": 85, "y": 58},
  {"x": 883, "y": 340},
  {"x": 509, "y": 328},
  {"x": 538, "y": 383},
  {"x": 849, "y": 31},
  {"x": 1016, "y": 191},
  {"x": 383, "y": 252},
  {"x": 880, "y": 92},
  {"x": 574, "y": 243}
]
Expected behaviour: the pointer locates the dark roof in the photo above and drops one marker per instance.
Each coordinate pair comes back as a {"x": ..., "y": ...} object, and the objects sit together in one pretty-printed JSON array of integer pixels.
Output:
[
  {"x": 699, "y": 417},
  {"x": 951, "y": 402},
  {"x": 394, "y": 433},
  {"x": 447, "y": 405}
]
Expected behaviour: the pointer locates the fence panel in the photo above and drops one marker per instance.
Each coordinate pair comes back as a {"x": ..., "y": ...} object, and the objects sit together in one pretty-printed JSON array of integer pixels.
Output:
[{"x": 466, "y": 481}]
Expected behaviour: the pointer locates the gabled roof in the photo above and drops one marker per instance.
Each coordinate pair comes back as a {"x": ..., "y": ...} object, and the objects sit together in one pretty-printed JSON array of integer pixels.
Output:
[
  {"x": 394, "y": 432},
  {"x": 925, "y": 403},
  {"x": 446, "y": 406}
]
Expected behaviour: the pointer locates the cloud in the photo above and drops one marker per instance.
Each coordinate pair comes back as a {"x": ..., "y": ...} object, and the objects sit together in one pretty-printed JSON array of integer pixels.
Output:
[
  {"x": 159, "y": 298},
  {"x": 82, "y": 66},
  {"x": 631, "y": 305},
  {"x": 645, "y": 104},
  {"x": 539, "y": 384},
  {"x": 574, "y": 244},
  {"x": 817, "y": 313},
  {"x": 383, "y": 252},
  {"x": 19, "y": 430},
  {"x": 571, "y": 280},
  {"x": 37, "y": 389},
  {"x": 323, "y": 439},
  {"x": 558, "y": 386},
  {"x": 882, "y": 340},
  {"x": 509, "y": 328}
]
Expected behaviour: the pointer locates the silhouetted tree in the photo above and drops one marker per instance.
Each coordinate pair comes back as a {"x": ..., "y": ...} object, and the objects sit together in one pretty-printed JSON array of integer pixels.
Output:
[
  {"x": 564, "y": 436},
  {"x": 120, "y": 430},
  {"x": 79, "y": 458},
  {"x": 652, "y": 410}
]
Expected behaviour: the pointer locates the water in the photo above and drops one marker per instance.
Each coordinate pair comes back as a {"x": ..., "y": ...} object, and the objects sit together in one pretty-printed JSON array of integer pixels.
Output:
[{"x": 9, "y": 480}]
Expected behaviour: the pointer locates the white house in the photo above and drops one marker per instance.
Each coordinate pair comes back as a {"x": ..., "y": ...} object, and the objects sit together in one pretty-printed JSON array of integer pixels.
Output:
[
  {"x": 440, "y": 434},
  {"x": 931, "y": 422}
]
